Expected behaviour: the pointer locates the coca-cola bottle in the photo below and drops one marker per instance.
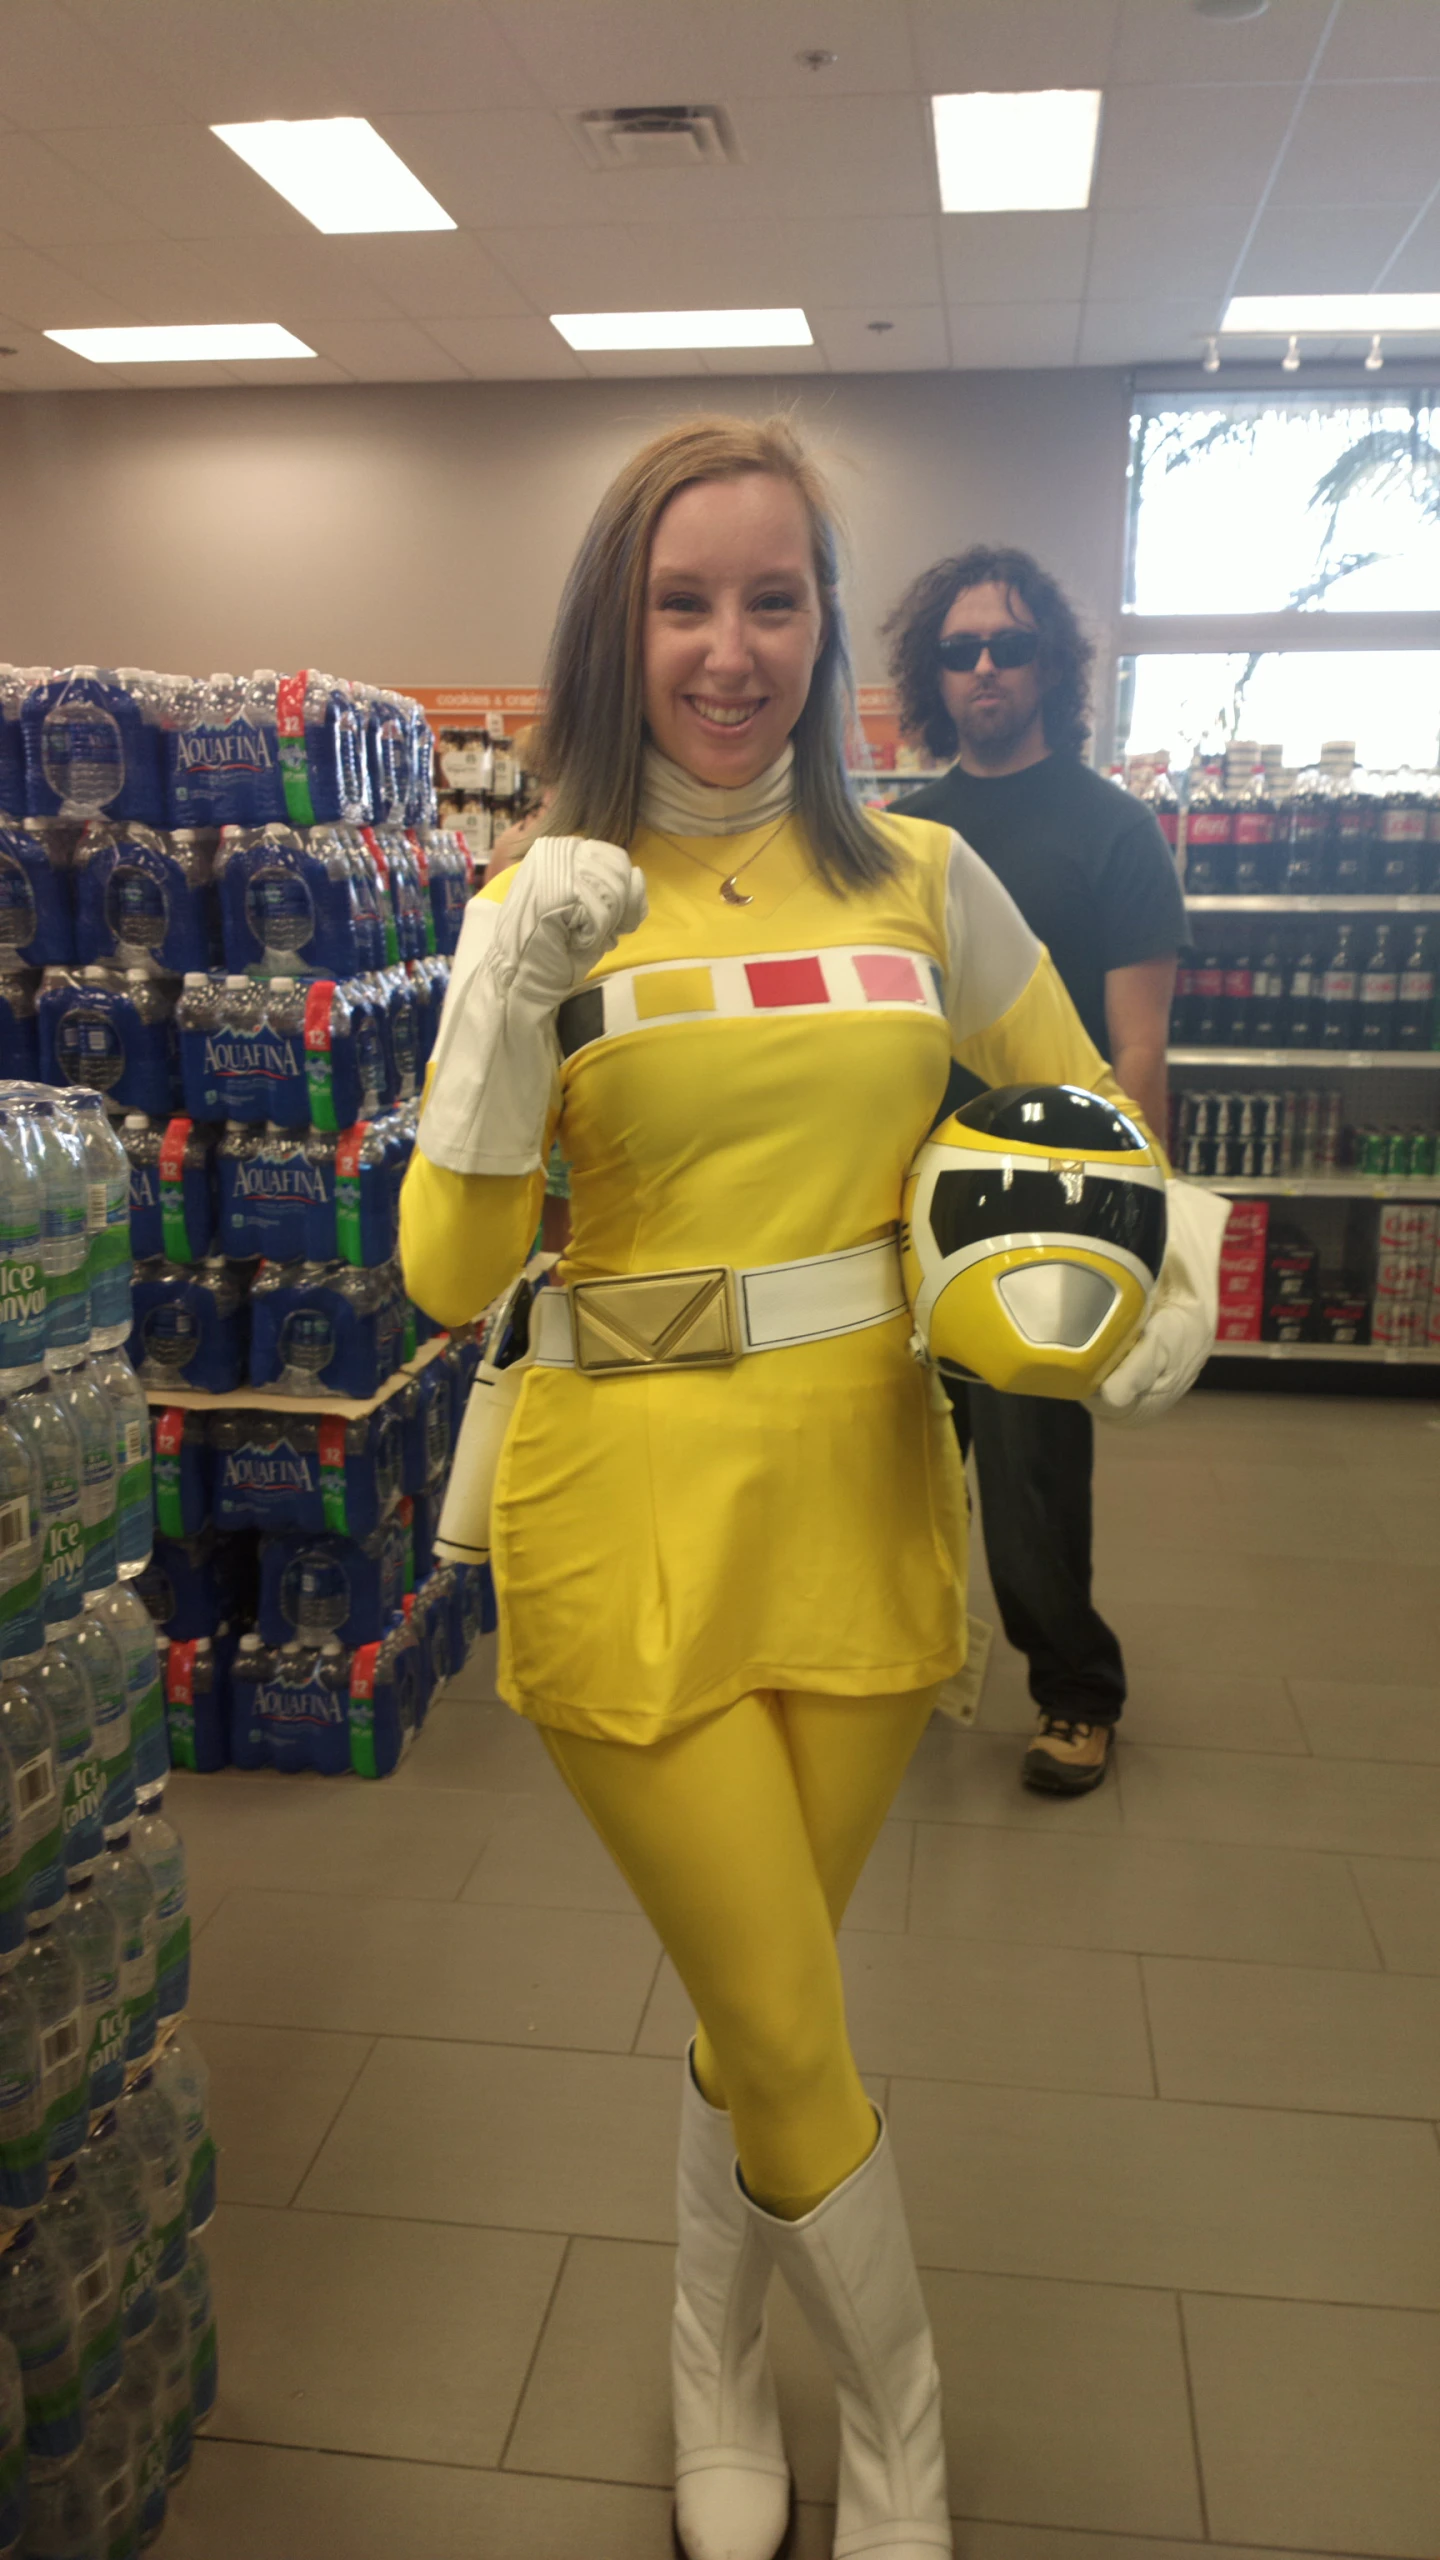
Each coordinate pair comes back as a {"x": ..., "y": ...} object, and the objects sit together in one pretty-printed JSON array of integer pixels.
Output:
[
  {"x": 1267, "y": 1009},
  {"x": 1339, "y": 993},
  {"x": 1305, "y": 838},
  {"x": 1379, "y": 993},
  {"x": 1209, "y": 838},
  {"x": 1416, "y": 1025},
  {"x": 1351, "y": 844},
  {"x": 1209, "y": 1001},
  {"x": 1302, "y": 1004},
  {"x": 1399, "y": 851},
  {"x": 1239, "y": 1001},
  {"x": 1182, "y": 1004},
  {"x": 1162, "y": 800},
  {"x": 1254, "y": 838}
]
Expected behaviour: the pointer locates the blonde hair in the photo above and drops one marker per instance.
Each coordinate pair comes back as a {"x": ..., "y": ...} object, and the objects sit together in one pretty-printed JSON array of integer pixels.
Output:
[{"x": 594, "y": 722}]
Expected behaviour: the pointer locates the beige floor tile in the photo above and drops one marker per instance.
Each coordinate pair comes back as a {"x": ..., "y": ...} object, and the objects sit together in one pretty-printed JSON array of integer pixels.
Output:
[
  {"x": 1363, "y": 1720},
  {"x": 1036, "y": 2017},
  {"x": 541, "y": 1849},
  {"x": 497, "y": 1976},
  {"x": 1171, "y": 1897},
  {"x": 205, "y": 1895},
  {"x": 1296, "y": 1511},
  {"x": 269, "y": 2502},
  {"x": 975, "y": 1778},
  {"x": 1114, "y": 2450},
  {"x": 1191, "y": 1711},
  {"x": 321, "y": 1835},
  {"x": 1330, "y": 1637},
  {"x": 353, "y": 2335},
  {"x": 1272, "y": 2036},
  {"x": 669, "y": 2020},
  {"x": 1138, "y": 2191},
  {"x": 525, "y": 2141},
  {"x": 1281, "y": 1803},
  {"x": 274, "y": 2094},
  {"x": 1402, "y": 1897},
  {"x": 474, "y": 1743},
  {"x": 881, "y": 1897},
  {"x": 1317, "y": 2425},
  {"x": 1022, "y": 2542}
]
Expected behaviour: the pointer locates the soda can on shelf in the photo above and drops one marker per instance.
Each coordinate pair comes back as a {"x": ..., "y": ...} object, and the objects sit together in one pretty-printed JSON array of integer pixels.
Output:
[
  {"x": 1270, "y": 1114},
  {"x": 1397, "y": 1152},
  {"x": 1424, "y": 1151},
  {"x": 1245, "y": 1115},
  {"x": 1370, "y": 1151},
  {"x": 1202, "y": 1115}
]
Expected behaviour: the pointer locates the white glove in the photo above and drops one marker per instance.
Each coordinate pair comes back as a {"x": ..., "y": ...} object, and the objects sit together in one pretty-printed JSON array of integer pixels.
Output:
[
  {"x": 1178, "y": 1334},
  {"x": 496, "y": 1057}
]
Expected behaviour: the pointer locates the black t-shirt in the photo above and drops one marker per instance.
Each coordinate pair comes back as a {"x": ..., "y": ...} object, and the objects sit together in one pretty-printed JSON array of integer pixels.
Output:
[{"x": 1084, "y": 861}]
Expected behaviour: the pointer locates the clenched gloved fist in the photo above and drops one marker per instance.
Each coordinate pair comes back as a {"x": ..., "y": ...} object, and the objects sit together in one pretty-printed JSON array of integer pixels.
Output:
[
  {"x": 1178, "y": 1334},
  {"x": 571, "y": 899}
]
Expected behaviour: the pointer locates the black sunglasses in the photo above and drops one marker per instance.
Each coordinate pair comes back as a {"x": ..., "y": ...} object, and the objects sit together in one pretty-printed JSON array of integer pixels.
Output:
[{"x": 961, "y": 653}]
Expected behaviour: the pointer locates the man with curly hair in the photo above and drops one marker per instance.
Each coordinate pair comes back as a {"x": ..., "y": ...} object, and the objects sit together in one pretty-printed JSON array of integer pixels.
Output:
[{"x": 992, "y": 669}]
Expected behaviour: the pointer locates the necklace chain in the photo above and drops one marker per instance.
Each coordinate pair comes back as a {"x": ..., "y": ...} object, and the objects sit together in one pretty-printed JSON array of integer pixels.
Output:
[{"x": 733, "y": 897}]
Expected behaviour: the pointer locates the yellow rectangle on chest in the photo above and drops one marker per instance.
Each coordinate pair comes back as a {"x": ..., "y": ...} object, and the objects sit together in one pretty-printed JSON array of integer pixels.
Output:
[{"x": 662, "y": 991}]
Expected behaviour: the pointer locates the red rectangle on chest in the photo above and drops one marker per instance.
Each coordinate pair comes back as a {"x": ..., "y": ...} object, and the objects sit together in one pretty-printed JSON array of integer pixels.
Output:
[
  {"x": 888, "y": 977},
  {"x": 778, "y": 982}
]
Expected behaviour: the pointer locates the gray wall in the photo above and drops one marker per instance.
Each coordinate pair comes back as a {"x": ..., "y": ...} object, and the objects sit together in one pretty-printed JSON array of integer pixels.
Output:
[{"x": 419, "y": 533}]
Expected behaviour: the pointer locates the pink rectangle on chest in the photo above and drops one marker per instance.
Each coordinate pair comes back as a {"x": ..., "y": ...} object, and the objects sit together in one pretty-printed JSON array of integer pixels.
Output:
[
  {"x": 777, "y": 982},
  {"x": 888, "y": 977}
]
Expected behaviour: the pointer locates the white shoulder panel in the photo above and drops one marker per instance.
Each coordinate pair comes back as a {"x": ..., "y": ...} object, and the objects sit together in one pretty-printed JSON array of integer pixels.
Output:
[{"x": 991, "y": 953}]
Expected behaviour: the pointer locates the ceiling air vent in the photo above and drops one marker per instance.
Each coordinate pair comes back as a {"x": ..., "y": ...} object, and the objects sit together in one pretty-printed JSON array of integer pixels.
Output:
[{"x": 655, "y": 137}]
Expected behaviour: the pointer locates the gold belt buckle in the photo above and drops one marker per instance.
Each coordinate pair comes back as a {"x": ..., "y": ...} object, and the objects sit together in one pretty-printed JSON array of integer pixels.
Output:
[{"x": 656, "y": 1320}]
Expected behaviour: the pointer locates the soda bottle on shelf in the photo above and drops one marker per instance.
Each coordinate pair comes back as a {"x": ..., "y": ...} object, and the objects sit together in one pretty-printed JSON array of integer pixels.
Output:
[
  {"x": 1237, "y": 1014},
  {"x": 1351, "y": 844},
  {"x": 1254, "y": 838},
  {"x": 1399, "y": 853},
  {"x": 1339, "y": 993},
  {"x": 1209, "y": 837},
  {"x": 1209, "y": 1001},
  {"x": 1379, "y": 993},
  {"x": 1415, "y": 1017},
  {"x": 1267, "y": 1017},
  {"x": 1305, "y": 829}
]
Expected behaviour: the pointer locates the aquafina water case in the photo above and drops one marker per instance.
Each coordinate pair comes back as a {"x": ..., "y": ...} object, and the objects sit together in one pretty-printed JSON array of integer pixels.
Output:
[
  {"x": 144, "y": 900},
  {"x": 113, "y": 1031},
  {"x": 172, "y": 1187},
  {"x": 321, "y": 1329},
  {"x": 189, "y": 1326},
  {"x": 290, "y": 1706},
  {"x": 37, "y": 928},
  {"x": 387, "y": 1702},
  {"x": 287, "y": 902},
  {"x": 305, "y": 1472},
  {"x": 89, "y": 751},
  {"x": 319, "y": 1586},
  {"x": 20, "y": 1025}
]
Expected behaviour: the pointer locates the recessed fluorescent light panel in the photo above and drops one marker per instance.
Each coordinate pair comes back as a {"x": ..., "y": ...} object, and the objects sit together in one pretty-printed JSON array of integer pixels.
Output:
[
  {"x": 338, "y": 172},
  {"x": 227, "y": 342},
  {"x": 1016, "y": 150},
  {"x": 1330, "y": 315},
  {"x": 608, "y": 332}
]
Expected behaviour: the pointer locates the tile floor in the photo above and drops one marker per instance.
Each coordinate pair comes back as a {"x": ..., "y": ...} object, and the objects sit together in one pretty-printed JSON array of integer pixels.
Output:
[{"x": 1163, "y": 2068}]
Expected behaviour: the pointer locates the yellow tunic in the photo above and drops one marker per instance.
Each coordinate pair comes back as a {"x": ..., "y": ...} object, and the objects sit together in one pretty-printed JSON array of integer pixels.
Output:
[{"x": 744, "y": 1085}]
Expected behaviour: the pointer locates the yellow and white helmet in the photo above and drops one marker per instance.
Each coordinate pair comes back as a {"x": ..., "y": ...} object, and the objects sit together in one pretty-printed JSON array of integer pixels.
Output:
[{"x": 1032, "y": 1237}]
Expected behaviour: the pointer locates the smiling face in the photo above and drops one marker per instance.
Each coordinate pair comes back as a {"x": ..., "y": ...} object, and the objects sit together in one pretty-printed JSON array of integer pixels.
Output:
[
  {"x": 996, "y": 710},
  {"x": 733, "y": 625}
]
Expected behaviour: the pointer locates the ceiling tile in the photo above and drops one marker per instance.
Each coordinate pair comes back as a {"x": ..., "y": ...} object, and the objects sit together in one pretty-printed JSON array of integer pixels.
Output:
[
  {"x": 181, "y": 180},
  {"x": 995, "y": 44},
  {"x": 507, "y": 350},
  {"x": 490, "y": 170},
  {"x": 46, "y": 295},
  {"x": 640, "y": 364},
  {"x": 48, "y": 204},
  {"x": 1190, "y": 146},
  {"x": 438, "y": 52},
  {"x": 427, "y": 273},
  {"x": 1367, "y": 142},
  {"x": 1171, "y": 251},
  {"x": 1145, "y": 332},
  {"x": 164, "y": 377},
  {"x": 308, "y": 373},
  {"x": 646, "y": 266},
  {"x": 1324, "y": 249},
  {"x": 162, "y": 280},
  {"x": 224, "y": 63},
  {"x": 1029, "y": 333},
  {"x": 656, "y": 51},
  {"x": 916, "y": 341},
  {"x": 883, "y": 260},
  {"x": 1014, "y": 257},
  {"x": 1169, "y": 40},
  {"x": 843, "y": 156},
  {"x": 59, "y": 67},
  {"x": 1384, "y": 40},
  {"x": 385, "y": 351},
  {"x": 37, "y": 365},
  {"x": 298, "y": 280},
  {"x": 760, "y": 360},
  {"x": 1416, "y": 268}
]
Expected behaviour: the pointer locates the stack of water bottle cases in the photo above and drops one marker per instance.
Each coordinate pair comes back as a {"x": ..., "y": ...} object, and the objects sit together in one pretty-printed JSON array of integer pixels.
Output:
[
  {"x": 253, "y": 987},
  {"x": 107, "y": 2168}
]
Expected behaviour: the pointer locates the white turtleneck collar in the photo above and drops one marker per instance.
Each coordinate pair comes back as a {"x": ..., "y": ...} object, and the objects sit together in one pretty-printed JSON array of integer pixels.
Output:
[{"x": 672, "y": 801}]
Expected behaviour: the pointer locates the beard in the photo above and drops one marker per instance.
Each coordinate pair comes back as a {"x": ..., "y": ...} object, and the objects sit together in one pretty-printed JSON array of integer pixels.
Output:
[{"x": 990, "y": 730}]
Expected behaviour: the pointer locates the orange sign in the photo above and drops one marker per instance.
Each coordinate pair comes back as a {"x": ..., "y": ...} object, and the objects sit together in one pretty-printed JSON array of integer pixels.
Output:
[{"x": 501, "y": 708}]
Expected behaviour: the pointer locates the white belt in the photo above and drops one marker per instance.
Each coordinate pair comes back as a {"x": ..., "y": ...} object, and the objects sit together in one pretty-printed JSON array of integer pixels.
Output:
[{"x": 709, "y": 1317}]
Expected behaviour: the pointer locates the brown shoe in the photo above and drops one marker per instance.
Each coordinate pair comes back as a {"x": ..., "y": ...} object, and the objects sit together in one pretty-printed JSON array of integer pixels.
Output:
[{"x": 1068, "y": 1758}]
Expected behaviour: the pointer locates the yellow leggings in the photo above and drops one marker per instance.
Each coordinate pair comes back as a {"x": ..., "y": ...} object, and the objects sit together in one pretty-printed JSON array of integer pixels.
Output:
[{"x": 743, "y": 1839}]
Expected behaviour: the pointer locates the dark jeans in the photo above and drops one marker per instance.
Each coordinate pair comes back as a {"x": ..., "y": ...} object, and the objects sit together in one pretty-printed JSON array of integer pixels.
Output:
[{"x": 1034, "y": 1458}]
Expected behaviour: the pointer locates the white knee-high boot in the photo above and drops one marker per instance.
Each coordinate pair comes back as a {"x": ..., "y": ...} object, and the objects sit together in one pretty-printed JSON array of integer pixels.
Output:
[
  {"x": 733, "y": 2493},
  {"x": 851, "y": 2268}
]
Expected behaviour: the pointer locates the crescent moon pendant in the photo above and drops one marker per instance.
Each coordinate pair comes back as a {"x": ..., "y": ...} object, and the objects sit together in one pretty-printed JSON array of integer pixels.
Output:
[{"x": 734, "y": 897}]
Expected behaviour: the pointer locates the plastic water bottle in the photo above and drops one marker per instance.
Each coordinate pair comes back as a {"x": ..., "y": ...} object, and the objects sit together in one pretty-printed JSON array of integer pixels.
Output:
[
  {"x": 134, "y": 1502},
  {"x": 112, "y": 2171},
  {"x": 24, "y": 2170},
  {"x": 287, "y": 1095},
  {"x": 195, "y": 1705},
  {"x": 123, "y": 1884},
  {"x": 161, "y": 1852},
  {"x": 26, "y": 1733},
  {"x": 154, "y": 2128},
  {"x": 12, "y": 2452},
  {"x": 49, "y": 1976},
  {"x": 55, "y": 1145},
  {"x": 139, "y": 2396},
  {"x": 22, "y": 1258},
  {"x": 45, "y": 1426},
  {"x": 107, "y": 1219},
  {"x": 197, "y": 2297},
  {"x": 129, "y": 1622},
  {"x": 22, "y": 1546},
  {"x": 143, "y": 899},
  {"x": 182, "y": 1472},
  {"x": 12, "y": 1874},
  {"x": 91, "y": 1644},
  {"x": 110, "y": 2461},
  {"x": 172, "y": 2346},
  {"x": 65, "y": 2520},
  {"x": 63, "y": 1686},
  {"x": 183, "y": 2077},
  {"x": 79, "y": 2231},
  {"x": 188, "y": 1325},
  {"x": 37, "y": 2316},
  {"x": 85, "y": 1403},
  {"x": 113, "y": 1031},
  {"x": 197, "y": 1033},
  {"x": 91, "y": 1932}
]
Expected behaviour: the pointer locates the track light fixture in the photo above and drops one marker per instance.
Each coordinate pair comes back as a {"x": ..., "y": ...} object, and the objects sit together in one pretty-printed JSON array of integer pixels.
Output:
[
  {"x": 1375, "y": 359},
  {"x": 1210, "y": 361},
  {"x": 1290, "y": 361}
]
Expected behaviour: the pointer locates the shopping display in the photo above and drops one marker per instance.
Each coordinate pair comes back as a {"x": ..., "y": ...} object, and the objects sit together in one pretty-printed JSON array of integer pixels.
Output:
[
  {"x": 1276, "y": 1285},
  {"x": 108, "y": 2356}
]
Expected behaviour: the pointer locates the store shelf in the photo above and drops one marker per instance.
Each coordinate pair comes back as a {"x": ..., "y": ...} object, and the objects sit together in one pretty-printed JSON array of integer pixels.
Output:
[
  {"x": 265, "y": 1400},
  {"x": 1345, "y": 1059},
  {"x": 1317, "y": 1186},
  {"x": 1393, "y": 1355},
  {"x": 1336, "y": 904}
]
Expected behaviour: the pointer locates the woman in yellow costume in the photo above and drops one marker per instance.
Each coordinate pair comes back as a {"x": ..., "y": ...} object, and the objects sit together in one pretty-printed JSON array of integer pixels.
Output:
[{"x": 728, "y": 1527}]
